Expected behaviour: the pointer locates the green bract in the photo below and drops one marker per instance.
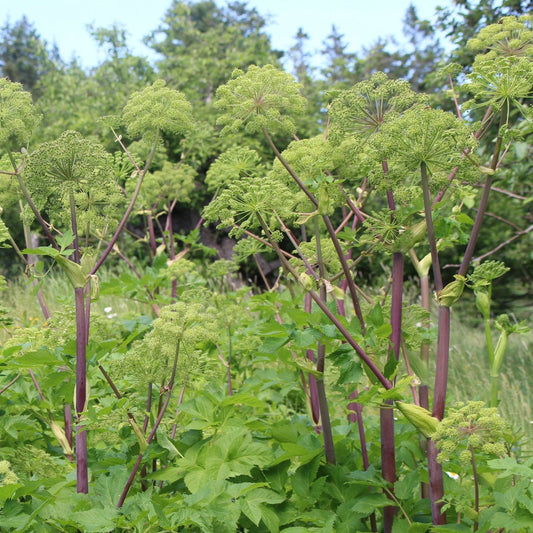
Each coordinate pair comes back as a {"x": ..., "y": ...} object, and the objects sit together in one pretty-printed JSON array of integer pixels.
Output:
[
  {"x": 364, "y": 108},
  {"x": 261, "y": 98},
  {"x": 18, "y": 116},
  {"x": 157, "y": 109}
]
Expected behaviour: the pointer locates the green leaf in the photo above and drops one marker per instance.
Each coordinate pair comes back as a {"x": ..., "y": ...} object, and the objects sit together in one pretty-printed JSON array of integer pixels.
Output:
[
  {"x": 95, "y": 520},
  {"x": 65, "y": 240},
  {"x": 304, "y": 477},
  {"x": 368, "y": 504},
  {"x": 35, "y": 358},
  {"x": 253, "y": 504},
  {"x": 170, "y": 473},
  {"x": 42, "y": 250}
]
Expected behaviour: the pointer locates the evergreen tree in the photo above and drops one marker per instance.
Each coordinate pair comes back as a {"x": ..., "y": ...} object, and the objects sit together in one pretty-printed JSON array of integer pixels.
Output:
[{"x": 342, "y": 68}]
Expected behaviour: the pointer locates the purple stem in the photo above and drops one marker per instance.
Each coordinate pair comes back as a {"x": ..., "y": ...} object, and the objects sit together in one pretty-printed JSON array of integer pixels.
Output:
[
  {"x": 150, "y": 437},
  {"x": 82, "y": 479},
  {"x": 357, "y": 416},
  {"x": 313, "y": 400},
  {"x": 10, "y": 383},
  {"x": 129, "y": 209}
]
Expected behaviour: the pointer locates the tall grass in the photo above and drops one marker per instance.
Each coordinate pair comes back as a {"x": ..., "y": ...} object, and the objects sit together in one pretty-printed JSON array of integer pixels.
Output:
[{"x": 469, "y": 374}]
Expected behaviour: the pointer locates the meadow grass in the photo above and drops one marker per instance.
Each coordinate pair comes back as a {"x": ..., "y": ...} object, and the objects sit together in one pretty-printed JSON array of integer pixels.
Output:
[{"x": 469, "y": 374}]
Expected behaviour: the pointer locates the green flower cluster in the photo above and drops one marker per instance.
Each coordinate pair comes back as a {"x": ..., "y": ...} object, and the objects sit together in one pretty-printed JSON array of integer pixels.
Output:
[
  {"x": 503, "y": 75},
  {"x": 157, "y": 109},
  {"x": 182, "y": 329},
  {"x": 235, "y": 163},
  {"x": 362, "y": 110},
  {"x": 423, "y": 136},
  {"x": 471, "y": 427},
  {"x": 249, "y": 202},
  {"x": 173, "y": 181},
  {"x": 7, "y": 476},
  {"x": 76, "y": 170},
  {"x": 18, "y": 116},
  {"x": 263, "y": 98}
]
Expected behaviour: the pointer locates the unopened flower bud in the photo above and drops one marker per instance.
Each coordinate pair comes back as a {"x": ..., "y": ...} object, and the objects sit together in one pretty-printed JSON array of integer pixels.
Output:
[{"x": 452, "y": 292}]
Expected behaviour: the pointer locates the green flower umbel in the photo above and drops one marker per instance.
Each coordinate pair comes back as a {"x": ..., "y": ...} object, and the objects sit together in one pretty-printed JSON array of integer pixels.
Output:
[
  {"x": 263, "y": 98},
  {"x": 18, "y": 116}
]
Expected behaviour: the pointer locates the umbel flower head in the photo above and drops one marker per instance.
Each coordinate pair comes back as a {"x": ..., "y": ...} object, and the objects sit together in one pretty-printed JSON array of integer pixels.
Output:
[
  {"x": 426, "y": 136},
  {"x": 471, "y": 427},
  {"x": 18, "y": 116},
  {"x": 249, "y": 201},
  {"x": 363, "y": 109},
  {"x": 157, "y": 109},
  {"x": 503, "y": 74},
  {"x": 235, "y": 163},
  {"x": 262, "y": 98},
  {"x": 511, "y": 36},
  {"x": 73, "y": 165},
  {"x": 172, "y": 182},
  {"x": 185, "y": 327},
  {"x": 312, "y": 160}
]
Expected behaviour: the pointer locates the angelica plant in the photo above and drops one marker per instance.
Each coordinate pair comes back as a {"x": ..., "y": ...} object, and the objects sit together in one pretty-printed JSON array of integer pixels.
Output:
[
  {"x": 69, "y": 176},
  {"x": 179, "y": 334}
]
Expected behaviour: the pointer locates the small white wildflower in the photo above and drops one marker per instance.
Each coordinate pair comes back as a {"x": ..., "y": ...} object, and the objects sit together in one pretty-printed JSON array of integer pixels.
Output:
[
  {"x": 453, "y": 475},
  {"x": 108, "y": 309}
]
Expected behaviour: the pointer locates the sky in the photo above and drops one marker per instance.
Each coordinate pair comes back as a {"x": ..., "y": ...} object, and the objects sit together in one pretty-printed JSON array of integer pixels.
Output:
[{"x": 64, "y": 22}]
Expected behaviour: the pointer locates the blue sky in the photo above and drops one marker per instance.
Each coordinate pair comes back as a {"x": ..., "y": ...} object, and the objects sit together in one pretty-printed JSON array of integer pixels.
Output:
[{"x": 64, "y": 21}]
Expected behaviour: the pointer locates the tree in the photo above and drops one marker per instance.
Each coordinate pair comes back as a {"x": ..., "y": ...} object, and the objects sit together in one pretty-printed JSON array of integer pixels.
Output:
[
  {"x": 425, "y": 50},
  {"x": 342, "y": 68},
  {"x": 24, "y": 57},
  {"x": 201, "y": 43}
]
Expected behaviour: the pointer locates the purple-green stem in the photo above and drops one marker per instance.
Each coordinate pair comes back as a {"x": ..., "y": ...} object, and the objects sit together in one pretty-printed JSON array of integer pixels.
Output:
[
  {"x": 334, "y": 320},
  {"x": 313, "y": 400},
  {"x": 82, "y": 475},
  {"x": 476, "y": 486},
  {"x": 129, "y": 209},
  {"x": 357, "y": 408},
  {"x": 157, "y": 422},
  {"x": 3, "y": 389},
  {"x": 32, "y": 205},
  {"x": 436, "y": 482},
  {"x": 388, "y": 447},
  {"x": 82, "y": 479},
  {"x": 329, "y": 447},
  {"x": 329, "y": 227},
  {"x": 228, "y": 369}
]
